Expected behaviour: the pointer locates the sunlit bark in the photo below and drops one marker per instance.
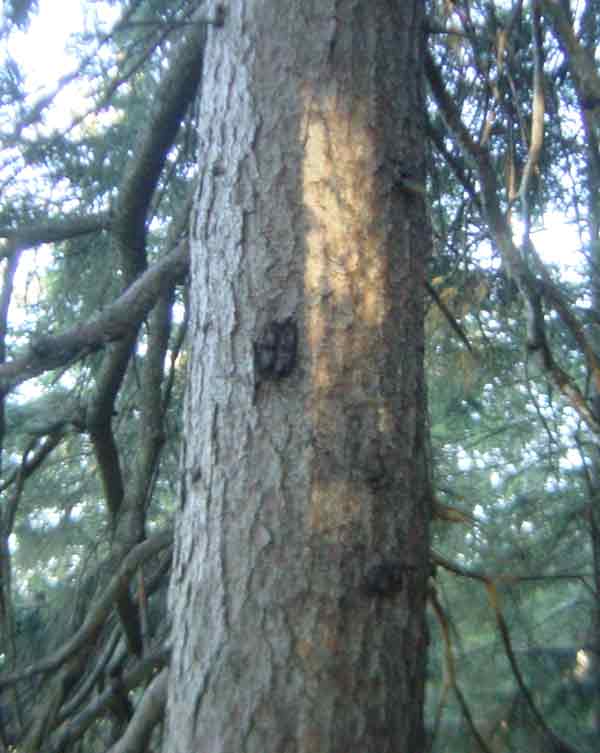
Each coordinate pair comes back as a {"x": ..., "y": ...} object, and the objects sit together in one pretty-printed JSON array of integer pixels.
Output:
[{"x": 299, "y": 583}]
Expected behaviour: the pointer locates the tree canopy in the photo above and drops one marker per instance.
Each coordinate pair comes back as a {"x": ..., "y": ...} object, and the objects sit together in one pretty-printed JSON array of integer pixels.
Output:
[{"x": 98, "y": 172}]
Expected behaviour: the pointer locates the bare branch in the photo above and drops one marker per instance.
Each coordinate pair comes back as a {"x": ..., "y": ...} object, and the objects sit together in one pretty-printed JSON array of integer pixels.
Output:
[
  {"x": 449, "y": 316},
  {"x": 140, "y": 673},
  {"x": 99, "y": 611},
  {"x": 54, "y": 231},
  {"x": 557, "y": 745},
  {"x": 538, "y": 108},
  {"x": 176, "y": 91},
  {"x": 147, "y": 715},
  {"x": 450, "y": 666},
  {"x": 113, "y": 323}
]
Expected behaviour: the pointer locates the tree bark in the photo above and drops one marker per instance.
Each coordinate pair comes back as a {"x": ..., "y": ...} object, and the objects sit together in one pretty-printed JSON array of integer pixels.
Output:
[{"x": 302, "y": 548}]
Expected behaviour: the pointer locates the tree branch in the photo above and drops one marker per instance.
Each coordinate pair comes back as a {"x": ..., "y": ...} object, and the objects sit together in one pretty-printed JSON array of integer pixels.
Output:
[
  {"x": 147, "y": 715},
  {"x": 55, "y": 230},
  {"x": 113, "y": 323},
  {"x": 177, "y": 89},
  {"x": 581, "y": 62},
  {"x": 98, "y": 612},
  {"x": 528, "y": 284},
  {"x": 151, "y": 704},
  {"x": 448, "y": 316}
]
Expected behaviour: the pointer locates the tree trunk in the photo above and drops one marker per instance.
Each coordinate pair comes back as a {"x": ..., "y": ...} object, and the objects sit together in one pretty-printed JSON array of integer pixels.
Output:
[{"x": 300, "y": 576}]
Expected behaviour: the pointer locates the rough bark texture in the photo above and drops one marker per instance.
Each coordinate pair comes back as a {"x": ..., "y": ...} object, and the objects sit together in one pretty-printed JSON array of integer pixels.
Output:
[{"x": 300, "y": 574}]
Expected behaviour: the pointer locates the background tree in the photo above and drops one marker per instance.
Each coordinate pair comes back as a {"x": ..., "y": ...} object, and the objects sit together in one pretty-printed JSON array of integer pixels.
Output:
[{"x": 509, "y": 149}]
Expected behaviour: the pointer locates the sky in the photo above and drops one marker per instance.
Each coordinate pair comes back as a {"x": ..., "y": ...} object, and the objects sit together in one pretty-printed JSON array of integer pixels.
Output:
[{"x": 41, "y": 49}]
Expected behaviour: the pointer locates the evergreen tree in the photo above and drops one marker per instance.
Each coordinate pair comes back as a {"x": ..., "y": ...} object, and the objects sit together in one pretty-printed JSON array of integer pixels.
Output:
[{"x": 99, "y": 173}]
